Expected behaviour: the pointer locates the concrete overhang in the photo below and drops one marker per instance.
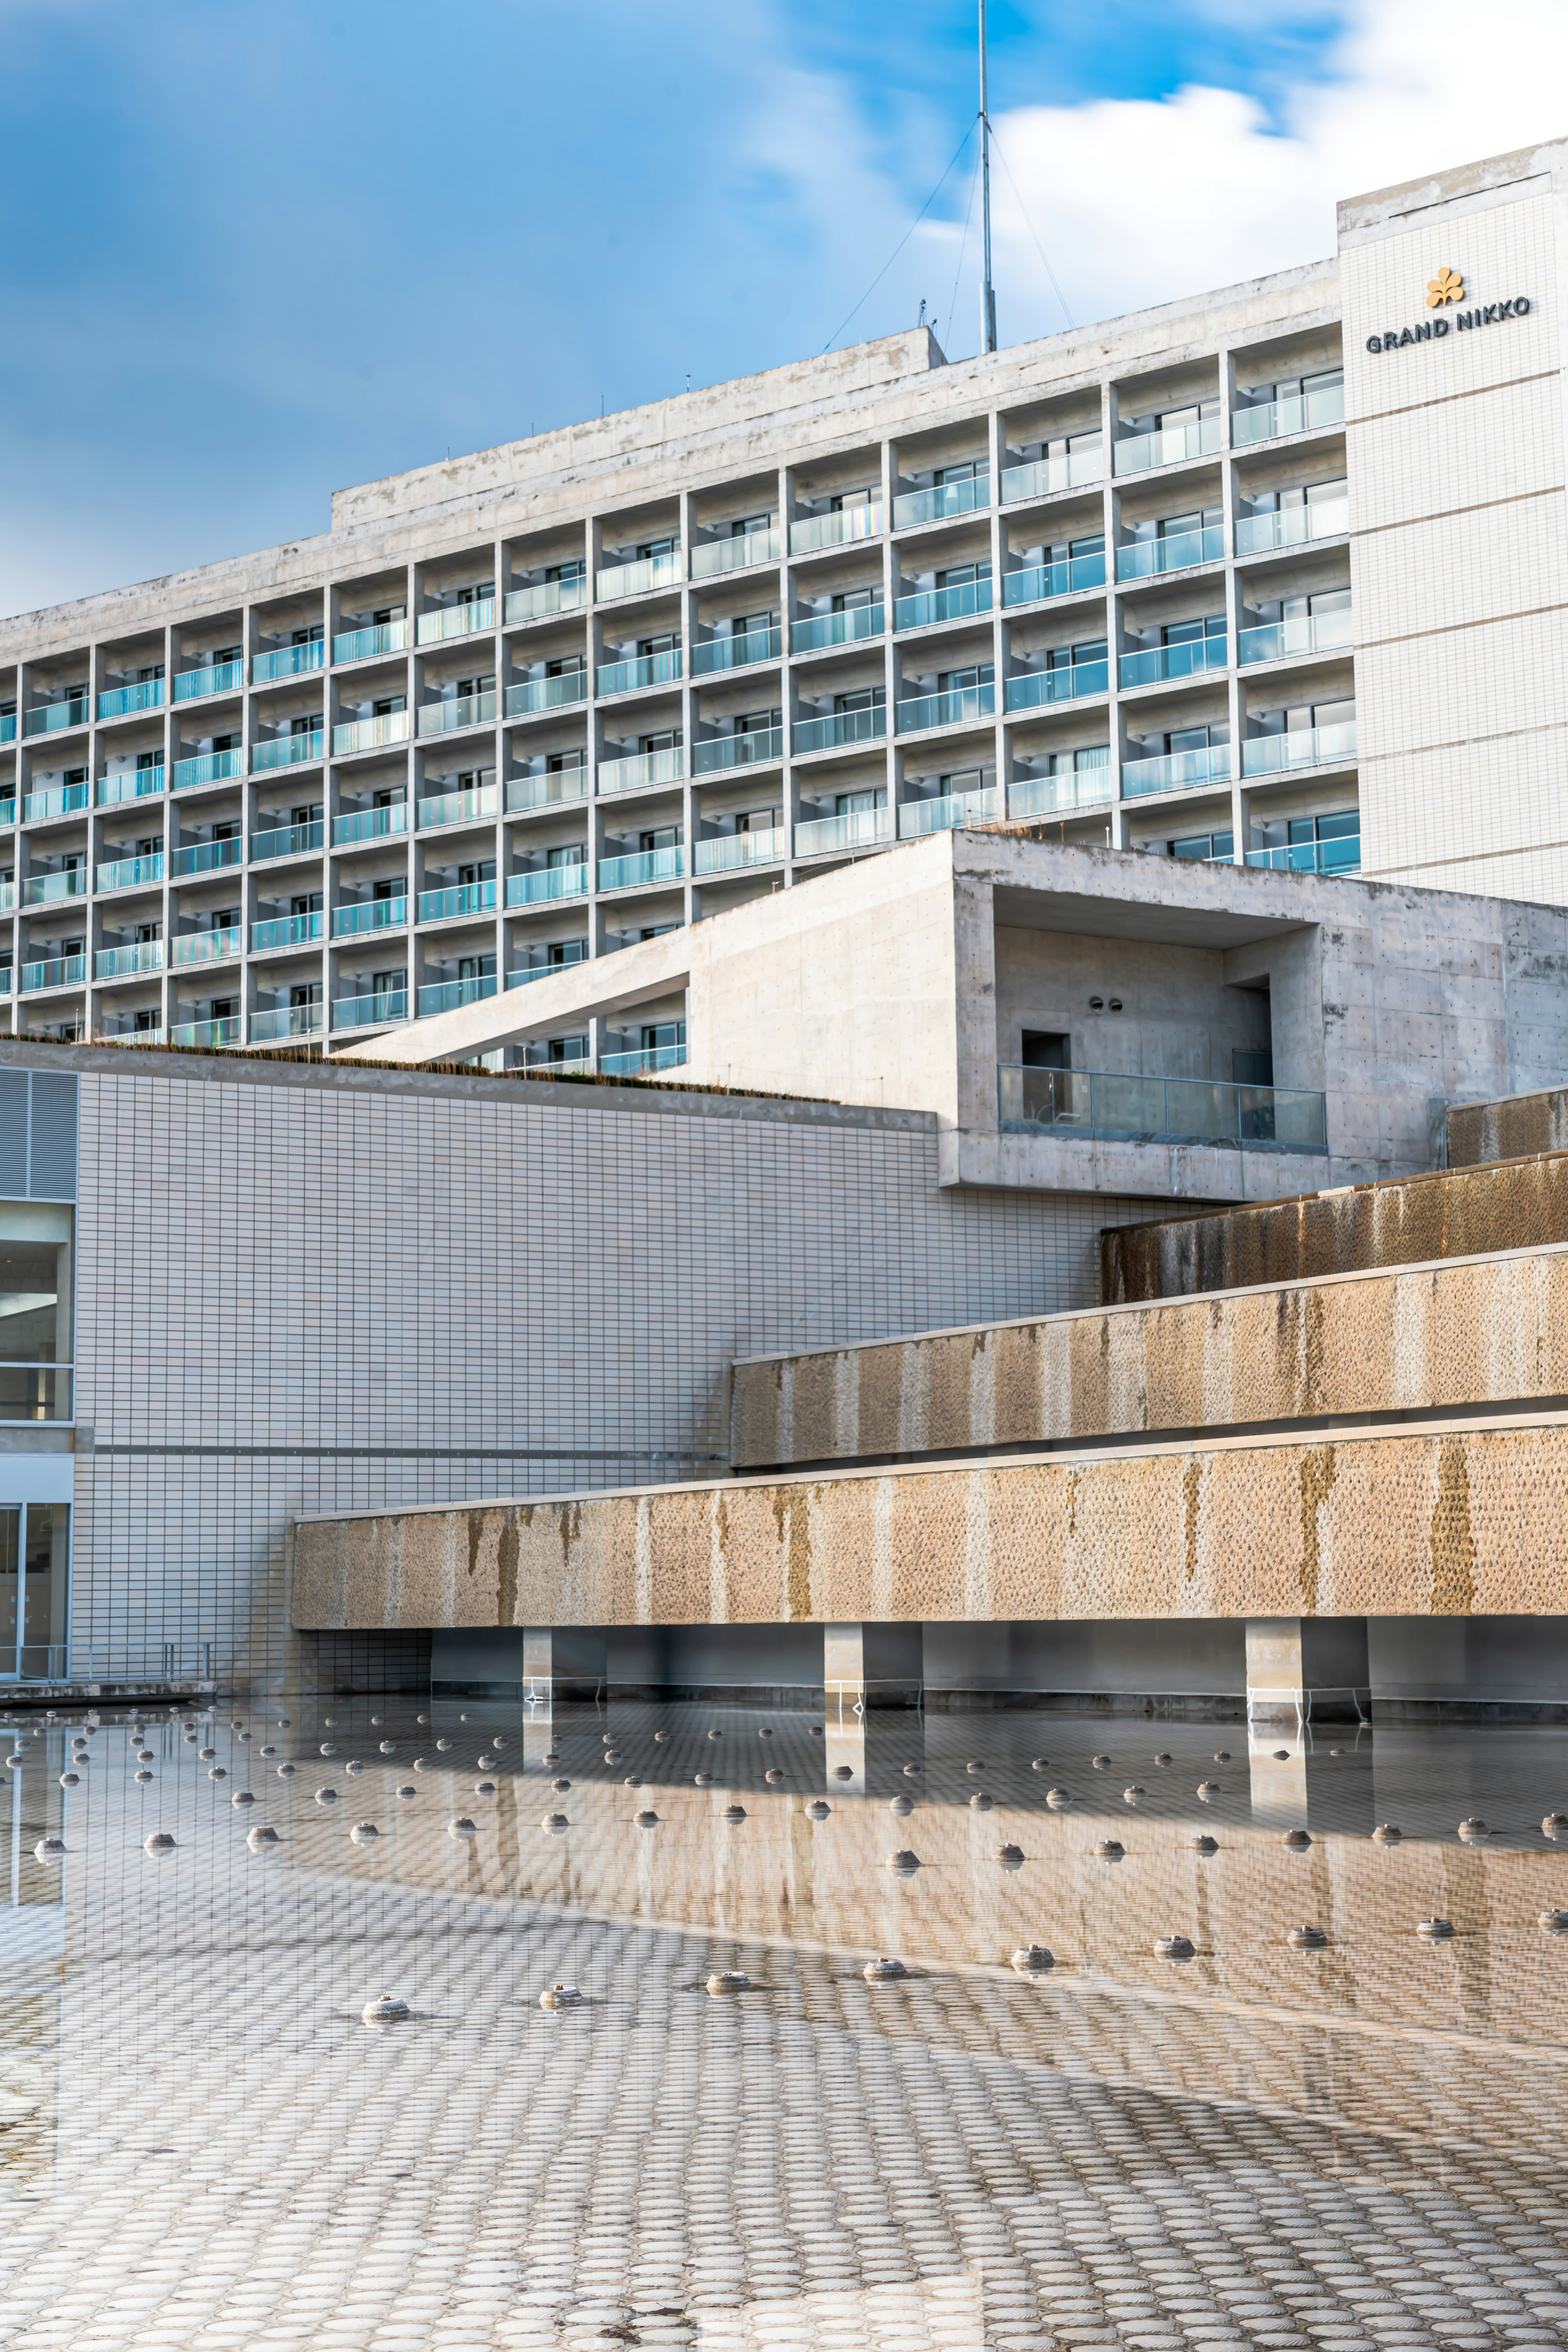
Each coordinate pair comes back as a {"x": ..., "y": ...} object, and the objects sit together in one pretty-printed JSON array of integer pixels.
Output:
[{"x": 1155, "y": 919}]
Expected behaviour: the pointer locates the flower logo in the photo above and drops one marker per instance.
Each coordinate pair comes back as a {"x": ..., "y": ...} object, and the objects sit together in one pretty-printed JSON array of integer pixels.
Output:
[{"x": 1447, "y": 287}]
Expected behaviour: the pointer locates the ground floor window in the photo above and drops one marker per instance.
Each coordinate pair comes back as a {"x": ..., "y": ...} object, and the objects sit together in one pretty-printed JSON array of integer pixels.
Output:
[{"x": 35, "y": 1591}]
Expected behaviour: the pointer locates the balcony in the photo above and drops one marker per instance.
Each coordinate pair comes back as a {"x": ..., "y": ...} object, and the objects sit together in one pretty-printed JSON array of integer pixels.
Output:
[
  {"x": 942, "y": 502},
  {"x": 1116, "y": 1105},
  {"x": 642, "y": 1062},
  {"x": 1045, "y": 475},
  {"x": 1036, "y": 690},
  {"x": 546, "y": 693},
  {"x": 928, "y": 605},
  {"x": 219, "y": 678},
  {"x": 369, "y": 825},
  {"x": 462, "y": 710},
  {"x": 286, "y": 1021},
  {"x": 230, "y": 1031},
  {"x": 734, "y": 853},
  {"x": 955, "y": 709},
  {"x": 60, "y": 799},
  {"x": 1341, "y": 855},
  {"x": 840, "y": 728},
  {"x": 1177, "y": 444},
  {"x": 282, "y": 841},
  {"x": 539, "y": 886},
  {"x": 459, "y": 808},
  {"x": 574, "y": 951},
  {"x": 1063, "y": 795},
  {"x": 147, "y": 694},
  {"x": 49, "y": 717},
  {"x": 842, "y": 529},
  {"x": 125, "y": 963},
  {"x": 547, "y": 596},
  {"x": 1158, "y": 664},
  {"x": 646, "y": 670},
  {"x": 209, "y": 947},
  {"x": 352, "y": 921},
  {"x": 7, "y": 726},
  {"x": 287, "y": 931},
  {"x": 1177, "y": 772},
  {"x": 135, "y": 785},
  {"x": 1304, "y": 747},
  {"x": 1040, "y": 581},
  {"x": 1259, "y": 534},
  {"x": 1271, "y": 420},
  {"x": 712, "y": 556},
  {"x": 366, "y": 1012},
  {"x": 825, "y": 629},
  {"x": 1311, "y": 633},
  {"x": 1148, "y": 559},
  {"x": 130, "y": 873},
  {"x": 557, "y": 788},
  {"x": 287, "y": 751},
  {"x": 371, "y": 643},
  {"x": 736, "y": 653},
  {"x": 641, "y": 867},
  {"x": 638, "y": 579},
  {"x": 289, "y": 661},
  {"x": 446, "y": 995},
  {"x": 459, "y": 899},
  {"x": 370, "y": 734},
  {"x": 7, "y": 898},
  {"x": 51, "y": 889},
  {"x": 54, "y": 971},
  {"x": 753, "y": 749},
  {"x": 639, "y": 769},
  {"x": 455, "y": 621},
  {"x": 7, "y": 811},
  {"x": 207, "y": 768},
  {"x": 944, "y": 815},
  {"x": 821, "y": 836},
  {"x": 209, "y": 857}
]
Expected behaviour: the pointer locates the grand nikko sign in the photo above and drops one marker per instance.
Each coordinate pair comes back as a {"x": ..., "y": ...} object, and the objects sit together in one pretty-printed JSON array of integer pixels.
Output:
[{"x": 1442, "y": 291}]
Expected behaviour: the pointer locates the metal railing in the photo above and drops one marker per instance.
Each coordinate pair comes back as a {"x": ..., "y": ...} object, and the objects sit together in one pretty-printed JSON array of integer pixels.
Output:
[
  {"x": 368, "y": 645},
  {"x": 289, "y": 661},
  {"x": 941, "y": 502},
  {"x": 956, "y": 708},
  {"x": 1117, "y": 1104},
  {"x": 1146, "y": 559},
  {"x": 459, "y": 808},
  {"x": 58, "y": 800},
  {"x": 207, "y": 768},
  {"x": 361, "y": 915},
  {"x": 721, "y": 753},
  {"x": 733, "y": 852},
  {"x": 639, "y": 769},
  {"x": 1340, "y": 856},
  {"x": 286, "y": 1021},
  {"x": 928, "y": 605},
  {"x": 369, "y": 825},
  {"x": 1043, "y": 476},
  {"x": 120, "y": 963},
  {"x": 1173, "y": 772},
  {"x": 1079, "y": 788},
  {"x": 49, "y": 717},
  {"x": 538, "y": 886},
  {"x": 287, "y": 751},
  {"x": 446, "y": 995},
  {"x": 944, "y": 815},
  {"x": 1038, "y": 687},
  {"x": 642, "y": 671},
  {"x": 556, "y": 787},
  {"x": 1292, "y": 525},
  {"x": 1192, "y": 658},
  {"x": 546, "y": 596},
  {"x": 370, "y": 734},
  {"x": 1302, "y": 747},
  {"x": 283, "y": 841},
  {"x": 1299, "y": 411},
  {"x": 461, "y": 710},
  {"x": 134, "y": 784},
  {"x": 218, "y": 678},
  {"x": 457, "y": 899},
  {"x": 712, "y": 556},
  {"x": 547, "y": 693},
  {"x": 1175, "y": 444},
  {"x": 637, "y": 579},
  {"x": 1039, "y": 582},
  {"x": 1311, "y": 633},
  {"x": 208, "y": 947},
  {"x": 361, "y": 1012},
  {"x": 736, "y": 653},
  {"x": 825, "y": 629},
  {"x": 455, "y": 621},
  {"x": 818, "y": 836},
  {"x": 841, "y": 529},
  {"x": 208, "y": 856},
  {"x": 840, "y": 728},
  {"x": 288, "y": 930},
  {"x": 147, "y": 694},
  {"x": 641, "y": 866}
]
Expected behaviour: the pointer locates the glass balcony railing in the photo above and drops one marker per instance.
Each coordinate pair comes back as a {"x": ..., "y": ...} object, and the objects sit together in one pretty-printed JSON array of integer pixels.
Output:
[
  {"x": 1177, "y": 772},
  {"x": 207, "y": 856},
  {"x": 50, "y": 717},
  {"x": 370, "y": 645},
  {"x": 1045, "y": 475},
  {"x": 825, "y": 629},
  {"x": 1312, "y": 633},
  {"x": 1118, "y": 1104},
  {"x": 1177, "y": 444},
  {"x": 370, "y": 734},
  {"x": 230, "y": 1031},
  {"x": 131, "y": 873},
  {"x": 446, "y": 995},
  {"x": 556, "y": 787},
  {"x": 574, "y": 951},
  {"x": 364, "y": 1012},
  {"x": 54, "y": 971},
  {"x": 928, "y": 605},
  {"x": 641, "y": 768},
  {"x": 1270, "y": 420},
  {"x": 642, "y": 866},
  {"x": 1040, "y": 581},
  {"x": 207, "y": 768},
  {"x": 7, "y": 898},
  {"x": 455, "y": 621},
  {"x": 547, "y": 596},
  {"x": 1341, "y": 855},
  {"x": 125, "y": 963},
  {"x": 642, "y": 1061},
  {"x": 546, "y": 693},
  {"x": 539, "y": 886},
  {"x": 638, "y": 579},
  {"x": 941, "y": 502},
  {"x": 286, "y": 1021},
  {"x": 647, "y": 669},
  {"x": 7, "y": 726},
  {"x": 1037, "y": 688},
  {"x": 732, "y": 853},
  {"x": 1193, "y": 657},
  {"x": 736, "y": 653},
  {"x": 955, "y": 709},
  {"x": 1146, "y": 559},
  {"x": 820, "y": 837},
  {"x": 283, "y": 841},
  {"x": 134, "y": 784},
  {"x": 1258, "y": 534},
  {"x": 1080, "y": 788},
  {"x": 457, "y": 899},
  {"x": 289, "y": 661},
  {"x": 462, "y": 710},
  {"x": 1303, "y": 747},
  {"x": 56, "y": 800},
  {"x": 219, "y": 678},
  {"x": 147, "y": 694},
  {"x": 721, "y": 753},
  {"x": 288, "y": 930},
  {"x": 459, "y": 808},
  {"x": 840, "y": 530},
  {"x": 7, "y": 811},
  {"x": 840, "y": 728},
  {"x": 208, "y": 947},
  {"x": 369, "y": 824},
  {"x": 361, "y": 915},
  {"x": 710, "y": 557},
  {"x": 946, "y": 814},
  {"x": 287, "y": 751},
  {"x": 52, "y": 889}
]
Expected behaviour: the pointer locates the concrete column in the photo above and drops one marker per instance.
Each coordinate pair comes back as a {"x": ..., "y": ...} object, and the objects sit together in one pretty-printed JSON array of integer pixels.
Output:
[
  {"x": 563, "y": 1662},
  {"x": 1306, "y": 1668},
  {"x": 871, "y": 1727}
]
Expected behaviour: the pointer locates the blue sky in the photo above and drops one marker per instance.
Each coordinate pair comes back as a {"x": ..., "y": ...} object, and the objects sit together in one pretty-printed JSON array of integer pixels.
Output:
[{"x": 250, "y": 255}]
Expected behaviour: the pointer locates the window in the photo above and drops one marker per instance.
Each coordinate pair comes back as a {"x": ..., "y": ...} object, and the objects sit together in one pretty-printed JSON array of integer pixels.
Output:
[
  {"x": 308, "y": 813},
  {"x": 304, "y": 992},
  {"x": 568, "y": 665},
  {"x": 845, "y": 502},
  {"x": 963, "y": 575},
  {"x": 480, "y": 593},
  {"x": 652, "y": 548},
  {"x": 668, "y": 739},
  {"x": 566, "y": 573},
  {"x": 1092, "y": 649},
  {"x": 753, "y": 625},
  {"x": 1192, "y": 633},
  {"x": 1252, "y": 1065},
  {"x": 855, "y": 804},
  {"x": 479, "y": 967},
  {"x": 570, "y": 853},
  {"x": 306, "y": 902},
  {"x": 972, "y": 469},
  {"x": 659, "y": 836},
  {"x": 311, "y": 636},
  {"x": 1205, "y": 848},
  {"x": 658, "y": 1037},
  {"x": 759, "y": 819},
  {"x": 388, "y": 706},
  {"x": 854, "y": 600},
  {"x": 750, "y": 523},
  {"x": 479, "y": 870},
  {"x": 385, "y": 615},
  {"x": 1069, "y": 763},
  {"x": 145, "y": 933},
  {"x": 36, "y": 1301},
  {"x": 860, "y": 698},
  {"x": 146, "y": 1017},
  {"x": 35, "y": 1567},
  {"x": 145, "y": 759},
  {"x": 1067, "y": 445},
  {"x": 758, "y": 722},
  {"x": 391, "y": 886},
  {"x": 1046, "y": 1049},
  {"x": 305, "y": 726},
  {"x": 960, "y": 681},
  {"x": 388, "y": 984},
  {"x": 667, "y": 644}
]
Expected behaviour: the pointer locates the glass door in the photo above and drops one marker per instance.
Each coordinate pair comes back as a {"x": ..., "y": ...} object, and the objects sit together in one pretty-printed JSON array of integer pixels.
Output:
[{"x": 34, "y": 1588}]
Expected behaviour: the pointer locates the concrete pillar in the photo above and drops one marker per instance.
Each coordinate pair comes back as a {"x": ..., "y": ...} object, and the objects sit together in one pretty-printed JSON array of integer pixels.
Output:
[{"x": 1306, "y": 1668}]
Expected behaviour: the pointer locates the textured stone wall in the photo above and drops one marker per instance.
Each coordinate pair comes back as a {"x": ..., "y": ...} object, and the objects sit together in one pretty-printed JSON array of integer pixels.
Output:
[
  {"x": 1508, "y": 1130},
  {"x": 1436, "y": 1524}
]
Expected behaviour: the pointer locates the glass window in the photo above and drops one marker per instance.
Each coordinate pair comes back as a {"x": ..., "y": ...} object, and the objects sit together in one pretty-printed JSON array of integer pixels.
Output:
[
  {"x": 36, "y": 1244},
  {"x": 35, "y": 1563}
]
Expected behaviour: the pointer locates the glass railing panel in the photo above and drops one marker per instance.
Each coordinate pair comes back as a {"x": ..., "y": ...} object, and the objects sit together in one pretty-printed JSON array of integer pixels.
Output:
[
  {"x": 198, "y": 1033},
  {"x": 712, "y": 556},
  {"x": 455, "y": 621},
  {"x": 1292, "y": 525},
  {"x": 362, "y": 1012},
  {"x": 135, "y": 785},
  {"x": 733, "y": 852},
  {"x": 460, "y": 808},
  {"x": 1341, "y": 855},
  {"x": 1191, "y": 659},
  {"x": 642, "y": 866},
  {"x": 123, "y": 963},
  {"x": 1039, "y": 582},
  {"x": 207, "y": 768},
  {"x": 369, "y": 825},
  {"x": 219, "y": 678},
  {"x": 928, "y": 605},
  {"x": 7, "y": 811},
  {"x": 748, "y": 750},
  {"x": 826, "y": 629},
  {"x": 282, "y": 841},
  {"x": 546, "y": 596},
  {"x": 643, "y": 1061},
  {"x": 1144, "y": 1109},
  {"x": 368, "y": 645},
  {"x": 1313, "y": 632},
  {"x": 446, "y": 995},
  {"x": 640, "y": 768},
  {"x": 147, "y": 694},
  {"x": 1174, "y": 771},
  {"x": 49, "y": 890},
  {"x": 369, "y": 915},
  {"x": 952, "y": 710},
  {"x": 647, "y": 669},
  {"x": 289, "y": 661},
  {"x": 546, "y": 693},
  {"x": 55, "y": 972},
  {"x": 941, "y": 502},
  {"x": 60, "y": 799},
  {"x": 371, "y": 734},
  {"x": 1176, "y": 446},
  {"x": 463, "y": 711},
  {"x": 7, "y": 726},
  {"x": 286, "y": 1021},
  {"x": 736, "y": 653},
  {"x": 7, "y": 898},
  {"x": 207, "y": 856},
  {"x": 637, "y": 579},
  {"x": 918, "y": 818},
  {"x": 816, "y": 836},
  {"x": 457, "y": 899},
  {"x": 1045, "y": 476},
  {"x": 539, "y": 885},
  {"x": 50, "y": 717},
  {"x": 1146, "y": 559},
  {"x": 1303, "y": 747},
  {"x": 522, "y": 974},
  {"x": 289, "y": 931},
  {"x": 841, "y": 529},
  {"x": 840, "y": 728},
  {"x": 549, "y": 791},
  {"x": 1038, "y": 687},
  {"x": 208, "y": 947},
  {"x": 1270, "y": 420},
  {"x": 287, "y": 751},
  {"x": 1055, "y": 795}
]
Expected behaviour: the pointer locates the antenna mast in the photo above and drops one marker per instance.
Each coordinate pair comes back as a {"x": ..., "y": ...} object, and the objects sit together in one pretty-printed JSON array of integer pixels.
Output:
[{"x": 988, "y": 292}]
